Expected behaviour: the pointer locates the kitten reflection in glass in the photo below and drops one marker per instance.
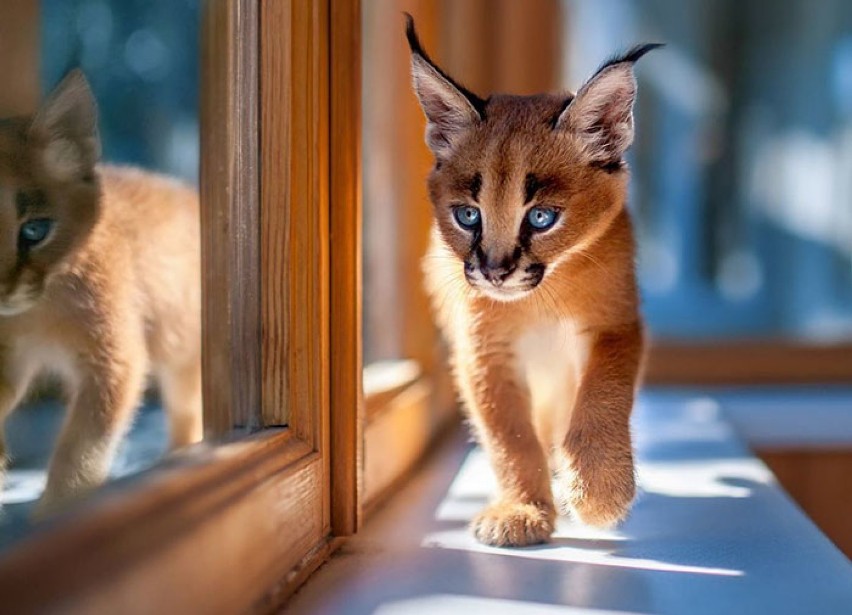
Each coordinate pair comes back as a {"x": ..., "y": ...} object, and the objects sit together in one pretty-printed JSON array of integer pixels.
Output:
[{"x": 99, "y": 285}]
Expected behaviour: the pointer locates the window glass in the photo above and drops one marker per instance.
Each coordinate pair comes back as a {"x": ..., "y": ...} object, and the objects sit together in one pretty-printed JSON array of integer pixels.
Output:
[{"x": 140, "y": 61}]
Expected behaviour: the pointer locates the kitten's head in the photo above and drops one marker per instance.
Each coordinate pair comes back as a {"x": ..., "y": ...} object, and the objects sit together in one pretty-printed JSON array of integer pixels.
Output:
[
  {"x": 522, "y": 182},
  {"x": 49, "y": 192}
]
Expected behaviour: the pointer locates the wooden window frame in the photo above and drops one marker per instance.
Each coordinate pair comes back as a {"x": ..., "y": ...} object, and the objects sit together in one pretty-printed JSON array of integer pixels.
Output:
[{"x": 238, "y": 523}]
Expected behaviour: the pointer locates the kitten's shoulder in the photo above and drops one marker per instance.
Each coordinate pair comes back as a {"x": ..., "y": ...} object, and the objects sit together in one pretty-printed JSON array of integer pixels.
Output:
[{"x": 140, "y": 184}]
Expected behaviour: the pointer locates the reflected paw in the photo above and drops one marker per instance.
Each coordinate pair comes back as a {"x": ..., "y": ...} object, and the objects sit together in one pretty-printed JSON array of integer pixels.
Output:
[{"x": 514, "y": 524}]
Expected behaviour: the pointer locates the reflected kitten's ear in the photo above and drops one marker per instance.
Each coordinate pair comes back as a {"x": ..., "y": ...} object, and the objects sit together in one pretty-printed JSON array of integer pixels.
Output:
[
  {"x": 602, "y": 112},
  {"x": 450, "y": 109},
  {"x": 65, "y": 128}
]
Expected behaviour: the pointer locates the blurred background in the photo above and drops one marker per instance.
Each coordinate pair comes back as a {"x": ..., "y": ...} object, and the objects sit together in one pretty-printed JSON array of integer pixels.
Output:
[
  {"x": 141, "y": 59},
  {"x": 742, "y": 165}
]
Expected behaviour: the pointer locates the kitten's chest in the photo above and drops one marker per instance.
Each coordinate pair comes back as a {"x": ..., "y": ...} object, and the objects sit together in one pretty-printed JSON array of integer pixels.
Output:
[
  {"x": 552, "y": 356},
  {"x": 36, "y": 343},
  {"x": 37, "y": 354}
]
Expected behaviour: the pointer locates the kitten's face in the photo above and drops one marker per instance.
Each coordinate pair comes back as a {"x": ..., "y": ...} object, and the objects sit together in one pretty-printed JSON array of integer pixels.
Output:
[
  {"x": 514, "y": 197},
  {"x": 521, "y": 183},
  {"x": 49, "y": 194}
]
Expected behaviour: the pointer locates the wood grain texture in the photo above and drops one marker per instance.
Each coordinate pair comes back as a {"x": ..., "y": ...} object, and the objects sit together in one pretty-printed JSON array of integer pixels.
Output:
[
  {"x": 748, "y": 362},
  {"x": 503, "y": 46},
  {"x": 214, "y": 520},
  {"x": 294, "y": 216},
  {"x": 230, "y": 215},
  {"x": 345, "y": 258},
  {"x": 235, "y": 527},
  {"x": 19, "y": 57}
]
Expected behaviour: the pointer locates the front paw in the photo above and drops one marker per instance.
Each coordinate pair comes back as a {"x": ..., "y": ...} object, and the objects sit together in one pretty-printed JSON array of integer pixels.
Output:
[
  {"x": 53, "y": 502},
  {"x": 514, "y": 524},
  {"x": 44, "y": 508},
  {"x": 595, "y": 482}
]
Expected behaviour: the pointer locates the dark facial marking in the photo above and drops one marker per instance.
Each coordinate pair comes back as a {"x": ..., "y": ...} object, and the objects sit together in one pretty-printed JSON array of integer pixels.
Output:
[
  {"x": 531, "y": 186},
  {"x": 475, "y": 186},
  {"x": 21, "y": 203},
  {"x": 525, "y": 236},
  {"x": 535, "y": 273},
  {"x": 24, "y": 201}
]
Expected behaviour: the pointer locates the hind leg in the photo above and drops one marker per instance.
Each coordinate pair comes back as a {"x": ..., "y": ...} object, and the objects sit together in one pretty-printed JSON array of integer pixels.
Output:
[{"x": 180, "y": 387}]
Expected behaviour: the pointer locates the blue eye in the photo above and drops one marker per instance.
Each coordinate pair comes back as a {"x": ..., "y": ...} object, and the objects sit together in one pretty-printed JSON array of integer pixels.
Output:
[
  {"x": 541, "y": 218},
  {"x": 467, "y": 216},
  {"x": 33, "y": 232}
]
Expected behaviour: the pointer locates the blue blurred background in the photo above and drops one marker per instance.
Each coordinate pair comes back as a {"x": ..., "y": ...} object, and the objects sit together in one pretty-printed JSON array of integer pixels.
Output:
[
  {"x": 141, "y": 58},
  {"x": 742, "y": 166},
  {"x": 742, "y": 186}
]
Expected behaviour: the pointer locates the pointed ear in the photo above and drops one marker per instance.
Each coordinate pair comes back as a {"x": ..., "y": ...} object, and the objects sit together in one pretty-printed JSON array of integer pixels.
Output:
[
  {"x": 65, "y": 129},
  {"x": 450, "y": 109},
  {"x": 602, "y": 112}
]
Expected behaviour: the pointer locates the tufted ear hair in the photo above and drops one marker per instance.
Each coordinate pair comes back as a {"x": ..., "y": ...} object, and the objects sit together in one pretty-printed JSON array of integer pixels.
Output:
[
  {"x": 450, "y": 109},
  {"x": 65, "y": 129},
  {"x": 602, "y": 111}
]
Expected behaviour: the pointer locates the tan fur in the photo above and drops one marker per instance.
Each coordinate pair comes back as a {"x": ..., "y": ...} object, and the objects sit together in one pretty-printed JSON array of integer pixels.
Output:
[
  {"x": 547, "y": 372},
  {"x": 112, "y": 296}
]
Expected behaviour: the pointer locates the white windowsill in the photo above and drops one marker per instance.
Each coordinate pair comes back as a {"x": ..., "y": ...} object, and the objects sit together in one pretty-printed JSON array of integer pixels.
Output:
[{"x": 711, "y": 532}]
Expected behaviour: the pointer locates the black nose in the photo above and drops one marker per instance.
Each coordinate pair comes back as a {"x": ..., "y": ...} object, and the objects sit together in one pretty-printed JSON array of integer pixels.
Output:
[{"x": 497, "y": 274}]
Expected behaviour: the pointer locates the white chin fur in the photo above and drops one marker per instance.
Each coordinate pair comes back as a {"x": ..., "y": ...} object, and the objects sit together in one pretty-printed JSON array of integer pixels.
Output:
[
  {"x": 14, "y": 306},
  {"x": 506, "y": 295},
  {"x": 13, "y": 310}
]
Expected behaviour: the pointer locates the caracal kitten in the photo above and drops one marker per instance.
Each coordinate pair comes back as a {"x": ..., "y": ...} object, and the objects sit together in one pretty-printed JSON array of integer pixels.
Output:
[
  {"x": 531, "y": 274},
  {"x": 99, "y": 284}
]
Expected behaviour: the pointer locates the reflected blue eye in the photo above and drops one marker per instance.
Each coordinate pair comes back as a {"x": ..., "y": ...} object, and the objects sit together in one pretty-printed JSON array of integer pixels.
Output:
[
  {"x": 468, "y": 217},
  {"x": 541, "y": 218},
  {"x": 33, "y": 232}
]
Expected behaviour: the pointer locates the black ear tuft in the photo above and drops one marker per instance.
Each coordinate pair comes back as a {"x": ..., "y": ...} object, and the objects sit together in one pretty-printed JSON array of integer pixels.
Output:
[
  {"x": 601, "y": 114},
  {"x": 632, "y": 55},
  {"x": 411, "y": 35},
  {"x": 417, "y": 49},
  {"x": 450, "y": 109}
]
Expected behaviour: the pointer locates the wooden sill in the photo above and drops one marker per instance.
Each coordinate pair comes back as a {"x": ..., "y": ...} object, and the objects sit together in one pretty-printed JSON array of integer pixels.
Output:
[
  {"x": 403, "y": 419},
  {"x": 672, "y": 362},
  {"x": 217, "y": 513},
  {"x": 384, "y": 381}
]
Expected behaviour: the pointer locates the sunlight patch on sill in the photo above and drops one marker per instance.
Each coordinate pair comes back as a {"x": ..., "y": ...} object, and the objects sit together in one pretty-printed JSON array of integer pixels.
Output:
[
  {"x": 475, "y": 483},
  {"x": 569, "y": 549},
  {"x": 703, "y": 479},
  {"x": 23, "y": 486},
  {"x": 574, "y": 542},
  {"x": 446, "y": 603}
]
